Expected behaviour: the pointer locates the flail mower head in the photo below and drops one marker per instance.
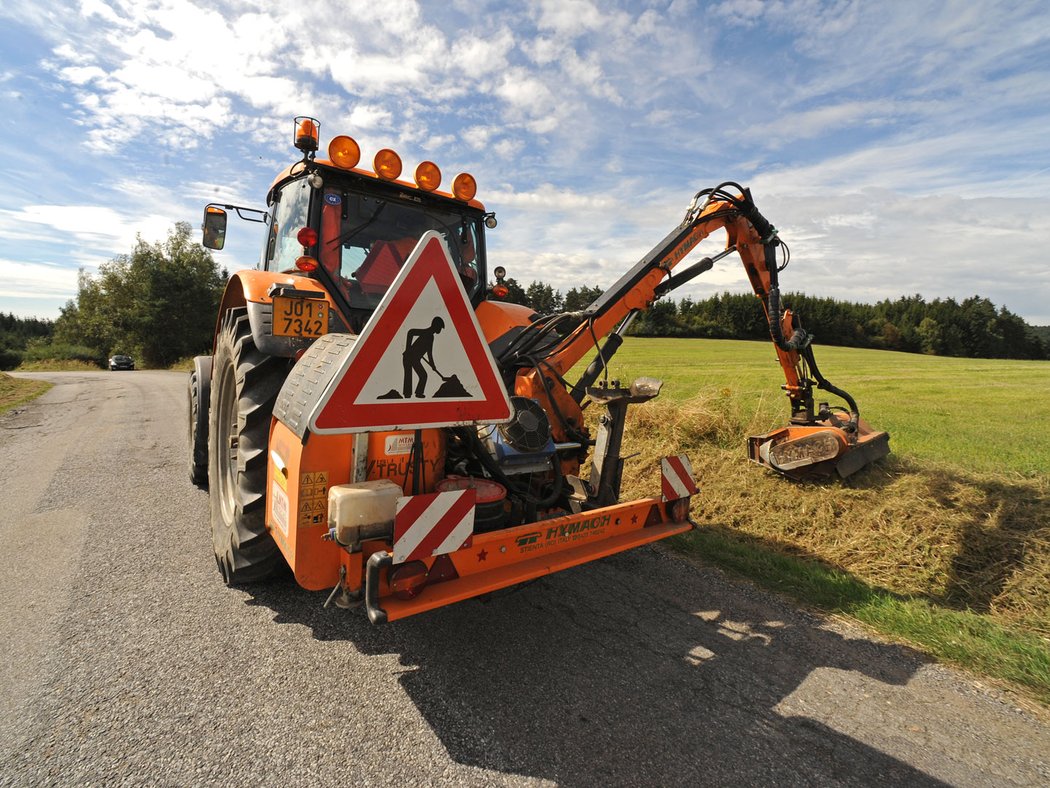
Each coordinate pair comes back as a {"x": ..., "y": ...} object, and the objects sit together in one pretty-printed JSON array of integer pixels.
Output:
[
  {"x": 820, "y": 448},
  {"x": 819, "y": 440}
]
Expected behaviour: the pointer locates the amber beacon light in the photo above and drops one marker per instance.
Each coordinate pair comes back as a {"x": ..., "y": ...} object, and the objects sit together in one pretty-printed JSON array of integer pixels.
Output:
[
  {"x": 307, "y": 132},
  {"x": 464, "y": 187},
  {"x": 428, "y": 176},
  {"x": 387, "y": 164}
]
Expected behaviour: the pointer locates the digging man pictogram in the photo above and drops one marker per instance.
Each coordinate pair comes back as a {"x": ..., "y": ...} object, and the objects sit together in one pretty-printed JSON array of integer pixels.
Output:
[{"x": 419, "y": 347}]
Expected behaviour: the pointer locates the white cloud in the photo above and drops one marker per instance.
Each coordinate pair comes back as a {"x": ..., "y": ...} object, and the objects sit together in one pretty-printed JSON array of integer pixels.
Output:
[
  {"x": 369, "y": 116},
  {"x": 95, "y": 226},
  {"x": 573, "y": 18},
  {"x": 525, "y": 92},
  {"x": 824, "y": 120},
  {"x": 480, "y": 56},
  {"x": 90, "y": 8},
  {"x": 36, "y": 280}
]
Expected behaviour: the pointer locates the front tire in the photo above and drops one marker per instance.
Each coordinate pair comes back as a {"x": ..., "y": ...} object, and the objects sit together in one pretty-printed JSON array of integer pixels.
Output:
[
  {"x": 199, "y": 395},
  {"x": 244, "y": 388}
]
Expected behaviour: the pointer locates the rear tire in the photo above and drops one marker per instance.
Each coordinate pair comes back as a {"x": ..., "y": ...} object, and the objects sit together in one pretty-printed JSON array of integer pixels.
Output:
[
  {"x": 244, "y": 388},
  {"x": 199, "y": 394}
]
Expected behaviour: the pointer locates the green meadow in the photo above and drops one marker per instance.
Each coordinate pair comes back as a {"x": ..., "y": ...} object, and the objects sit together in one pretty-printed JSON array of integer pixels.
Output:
[{"x": 975, "y": 414}]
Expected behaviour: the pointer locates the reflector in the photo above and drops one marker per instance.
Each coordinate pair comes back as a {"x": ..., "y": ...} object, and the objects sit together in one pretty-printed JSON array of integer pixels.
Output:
[
  {"x": 679, "y": 510},
  {"x": 407, "y": 580}
]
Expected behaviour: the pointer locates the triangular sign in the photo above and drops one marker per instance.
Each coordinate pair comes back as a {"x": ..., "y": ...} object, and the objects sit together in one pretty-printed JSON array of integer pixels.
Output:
[{"x": 421, "y": 360}]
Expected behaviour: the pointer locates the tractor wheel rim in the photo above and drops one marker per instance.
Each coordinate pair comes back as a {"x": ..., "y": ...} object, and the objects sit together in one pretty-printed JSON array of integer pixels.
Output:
[{"x": 226, "y": 445}]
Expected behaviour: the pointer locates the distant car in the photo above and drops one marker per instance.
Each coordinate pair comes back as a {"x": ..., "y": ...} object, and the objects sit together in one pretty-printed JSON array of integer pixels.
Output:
[{"x": 121, "y": 362}]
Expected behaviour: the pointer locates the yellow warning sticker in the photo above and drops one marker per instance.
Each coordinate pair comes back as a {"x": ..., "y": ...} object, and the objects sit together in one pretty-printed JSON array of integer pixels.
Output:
[{"x": 313, "y": 499}]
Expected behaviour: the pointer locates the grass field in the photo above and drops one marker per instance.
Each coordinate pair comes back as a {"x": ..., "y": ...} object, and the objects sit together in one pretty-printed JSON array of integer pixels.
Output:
[
  {"x": 974, "y": 414},
  {"x": 946, "y": 543}
]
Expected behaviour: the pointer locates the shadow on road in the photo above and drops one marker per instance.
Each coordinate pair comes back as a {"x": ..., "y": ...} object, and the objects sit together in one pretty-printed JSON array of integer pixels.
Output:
[{"x": 639, "y": 669}]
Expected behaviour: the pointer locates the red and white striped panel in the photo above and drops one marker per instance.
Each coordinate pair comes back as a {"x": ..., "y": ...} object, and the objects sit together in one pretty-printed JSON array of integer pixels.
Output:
[
  {"x": 433, "y": 524},
  {"x": 676, "y": 478}
]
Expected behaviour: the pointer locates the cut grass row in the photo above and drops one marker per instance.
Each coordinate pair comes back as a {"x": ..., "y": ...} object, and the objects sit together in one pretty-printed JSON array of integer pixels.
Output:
[{"x": 945, "y": 544}]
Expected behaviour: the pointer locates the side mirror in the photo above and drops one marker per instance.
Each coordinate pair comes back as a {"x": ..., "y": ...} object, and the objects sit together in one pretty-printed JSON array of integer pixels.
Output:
[{"x": 214, "y": 227}]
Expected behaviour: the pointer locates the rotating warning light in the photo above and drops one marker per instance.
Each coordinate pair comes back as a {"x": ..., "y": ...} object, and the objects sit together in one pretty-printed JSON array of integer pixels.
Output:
[
  {"x": 307, "y": 131},
  {"x": 344, "y": 152},
  {"x": 387, "y": 164},
  {"x": 465, "y": 187},
  {"x": 428, "y": 176},
  {"x": 307, "y": 236}
]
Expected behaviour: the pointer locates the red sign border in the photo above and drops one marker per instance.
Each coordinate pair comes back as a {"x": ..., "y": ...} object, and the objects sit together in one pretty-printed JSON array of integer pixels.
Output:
[{"x": 428, "y": 262}]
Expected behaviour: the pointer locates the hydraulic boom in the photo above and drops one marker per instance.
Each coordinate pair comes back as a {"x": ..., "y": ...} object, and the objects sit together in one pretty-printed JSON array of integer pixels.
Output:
[{"x": 820, "y": 438}]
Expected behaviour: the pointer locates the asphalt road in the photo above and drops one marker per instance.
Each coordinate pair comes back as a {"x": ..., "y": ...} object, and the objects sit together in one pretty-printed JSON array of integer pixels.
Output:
[{"x": 126, "y": 660}]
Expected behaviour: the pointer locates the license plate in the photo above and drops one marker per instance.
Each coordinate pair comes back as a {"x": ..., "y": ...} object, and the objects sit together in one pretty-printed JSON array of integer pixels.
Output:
[{"x": 299, "y": 317}]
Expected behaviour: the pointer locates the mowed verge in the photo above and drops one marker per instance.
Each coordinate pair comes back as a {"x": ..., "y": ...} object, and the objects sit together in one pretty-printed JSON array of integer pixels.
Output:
[
  {"x": 18, "y": 391},
  {"x": 946, "y": 543}
]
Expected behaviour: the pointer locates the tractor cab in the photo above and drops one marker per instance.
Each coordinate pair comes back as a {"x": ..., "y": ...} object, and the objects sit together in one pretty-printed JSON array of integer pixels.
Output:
[{"x": 353, "y": 229}]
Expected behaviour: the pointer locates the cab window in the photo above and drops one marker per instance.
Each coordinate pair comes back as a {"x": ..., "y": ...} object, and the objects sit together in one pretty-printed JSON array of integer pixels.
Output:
[
  {"x": 290, "y": 214},
  {"x": 368, "y": 239}
]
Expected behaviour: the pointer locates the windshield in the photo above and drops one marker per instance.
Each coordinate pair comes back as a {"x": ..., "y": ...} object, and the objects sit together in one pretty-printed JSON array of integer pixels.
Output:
[{"x": 366, "y": 239}]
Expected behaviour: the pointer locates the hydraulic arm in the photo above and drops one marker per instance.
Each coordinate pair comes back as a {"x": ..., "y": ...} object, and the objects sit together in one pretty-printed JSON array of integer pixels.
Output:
[{"x": 819, "y": 439}]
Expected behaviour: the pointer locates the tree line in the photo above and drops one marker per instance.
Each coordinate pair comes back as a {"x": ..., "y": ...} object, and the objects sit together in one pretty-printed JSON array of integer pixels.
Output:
[
  {"x": 973, "y": 328},
  {"x": 158, "y": 304},
  {"x": 16, "y": 333}
]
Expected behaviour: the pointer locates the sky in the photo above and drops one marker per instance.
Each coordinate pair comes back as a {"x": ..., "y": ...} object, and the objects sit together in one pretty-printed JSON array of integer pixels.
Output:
[{"x": 900, "y": 148}]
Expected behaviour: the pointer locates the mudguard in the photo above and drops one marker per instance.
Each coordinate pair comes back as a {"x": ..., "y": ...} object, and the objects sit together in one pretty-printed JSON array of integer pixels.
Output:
[{"x": 253, "y": 290}]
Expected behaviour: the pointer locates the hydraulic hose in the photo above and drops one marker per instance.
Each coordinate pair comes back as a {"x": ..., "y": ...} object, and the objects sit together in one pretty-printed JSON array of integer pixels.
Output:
[
  {"x": 801, "y": 342},
  {"x": 800, "y": 338},
  {"x": 824, "y": 385}
]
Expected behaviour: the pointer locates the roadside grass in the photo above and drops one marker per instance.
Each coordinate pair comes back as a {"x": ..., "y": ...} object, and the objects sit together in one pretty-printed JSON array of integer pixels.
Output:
[
  {"x": 59, "y": 356},
  {"x": 182, "y": 365},
  {"x": 945, "y": 544},
  {"x": 18, "y": 391},
  {"x": 58, "y": 365}
]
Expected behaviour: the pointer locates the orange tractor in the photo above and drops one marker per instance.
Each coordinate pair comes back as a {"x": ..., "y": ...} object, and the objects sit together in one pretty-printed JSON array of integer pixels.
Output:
[{"x": 374, "y": 416}]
